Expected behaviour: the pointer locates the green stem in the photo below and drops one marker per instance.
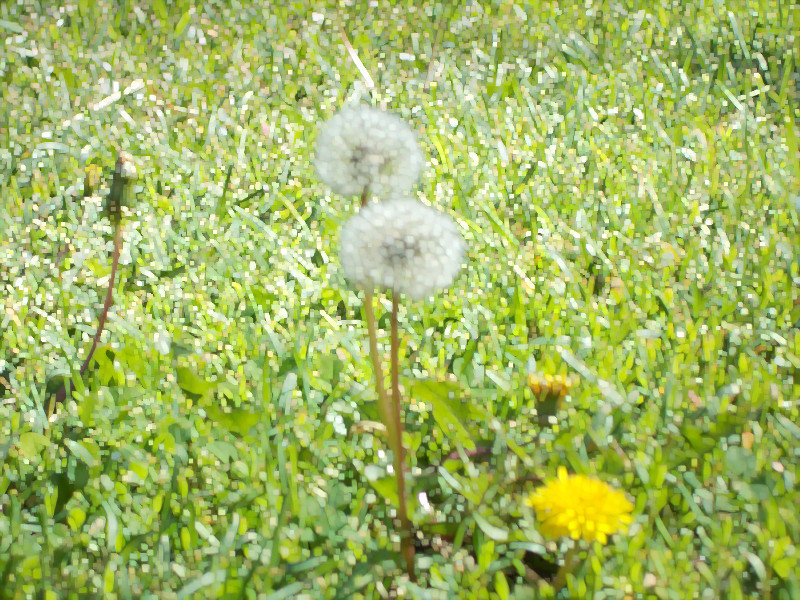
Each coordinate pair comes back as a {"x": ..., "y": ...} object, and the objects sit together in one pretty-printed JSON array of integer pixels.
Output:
[
  {"x": 384, "y": 405},
  {"x": 406, "y": 540},
  {"x": 570, "y": 560},
  {"x": 391, "y": 415}
]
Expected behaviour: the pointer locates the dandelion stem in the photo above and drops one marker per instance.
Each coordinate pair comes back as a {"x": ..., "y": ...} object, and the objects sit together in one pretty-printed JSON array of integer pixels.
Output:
[
  {"x": 391, "y": 414},
  {"x": 406, "y": 540},
  {"x": 118, "y": 188},
  {"x": 384, "y": 405},
  {"x": 570, "y": 560},
  {"x": 101, "y": 322}
]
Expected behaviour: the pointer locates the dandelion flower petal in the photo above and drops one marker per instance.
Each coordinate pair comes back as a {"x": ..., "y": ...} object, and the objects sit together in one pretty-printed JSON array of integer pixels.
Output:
[{"x": 580, "y": 507}]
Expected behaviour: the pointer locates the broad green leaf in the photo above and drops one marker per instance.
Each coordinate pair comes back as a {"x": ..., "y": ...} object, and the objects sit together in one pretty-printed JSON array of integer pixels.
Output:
[
  {"x": 76, "y": 518},
  {"x": 384, "y": 484},
  {"x": 32, "y": 443},
  {"x": 501, "y": 586},
  {"x": 239, "y": 421},
  {"x": 105, "y": 365},
  {"x": 140, "y": 469},
  {"x": 448, "y": 410},
  {"x": 224, "y": 451},
  {"x": 191, "y": 383}
]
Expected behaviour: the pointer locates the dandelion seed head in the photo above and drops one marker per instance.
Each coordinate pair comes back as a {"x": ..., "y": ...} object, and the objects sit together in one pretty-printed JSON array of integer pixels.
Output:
[
  {"x": 362, "y": 147},
  {"x": 580, "y": 507},
  {"x": 402, "y": 245}
]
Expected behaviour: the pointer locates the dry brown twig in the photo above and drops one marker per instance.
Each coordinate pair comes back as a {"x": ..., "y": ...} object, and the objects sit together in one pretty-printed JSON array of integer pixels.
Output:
[{"x": 124, "y": 175}]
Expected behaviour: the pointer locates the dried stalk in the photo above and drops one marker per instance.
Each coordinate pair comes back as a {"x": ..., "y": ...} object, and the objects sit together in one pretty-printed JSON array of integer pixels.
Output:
[{"x": 122, "y": 179}]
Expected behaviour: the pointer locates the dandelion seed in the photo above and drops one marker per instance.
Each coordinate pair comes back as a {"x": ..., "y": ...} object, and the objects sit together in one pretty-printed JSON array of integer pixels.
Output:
[
  {"x": 401, "y": 245},
  {"x": 362, "y": 147},
  {"x": 580, "y": 507}
]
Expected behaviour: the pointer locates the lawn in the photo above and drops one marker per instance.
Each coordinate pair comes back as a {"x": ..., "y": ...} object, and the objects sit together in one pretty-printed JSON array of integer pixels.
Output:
[{"x": 626, "y": 176}]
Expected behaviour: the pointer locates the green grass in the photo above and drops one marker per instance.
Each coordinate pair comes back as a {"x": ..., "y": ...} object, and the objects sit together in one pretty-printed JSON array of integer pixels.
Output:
[{"x": 627, "y": 178}]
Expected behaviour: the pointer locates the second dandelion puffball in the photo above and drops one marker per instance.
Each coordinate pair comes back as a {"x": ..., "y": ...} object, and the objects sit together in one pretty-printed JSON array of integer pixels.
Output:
[
  {"x": 364, "y": 148},
  {"x": 401, "y": 245}
]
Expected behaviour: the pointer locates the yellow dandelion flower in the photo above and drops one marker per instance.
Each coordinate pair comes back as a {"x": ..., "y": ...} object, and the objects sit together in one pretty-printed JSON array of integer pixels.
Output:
[{"x": 580, "y": 507}]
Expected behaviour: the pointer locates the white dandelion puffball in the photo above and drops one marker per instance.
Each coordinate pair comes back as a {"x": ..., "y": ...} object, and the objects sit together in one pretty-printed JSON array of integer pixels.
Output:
[
  {"x": 401, "y": 245},
  {"x": 362, "y": 147}
]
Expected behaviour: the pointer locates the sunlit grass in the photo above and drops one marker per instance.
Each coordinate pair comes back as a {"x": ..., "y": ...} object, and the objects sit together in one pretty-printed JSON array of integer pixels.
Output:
[{"x": 627, "y": 182}]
